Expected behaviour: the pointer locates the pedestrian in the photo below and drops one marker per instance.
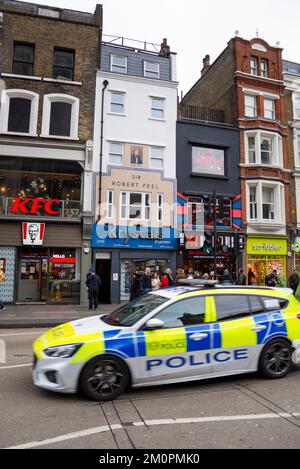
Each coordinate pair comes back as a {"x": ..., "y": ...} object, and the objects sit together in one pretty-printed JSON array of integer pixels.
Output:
[
  {"x": 93, "y": 283},
  {"x": 146, "y": 281},
  {"x": 271, "y": 279},
  {"x": 251, "y": 278},
  {"x": 226, "y": 278},
  {"x": 206, "y": 276},
  {"x": 241, "y": 278},
  {"x": 281, "y": 280},
  {"x": 155, "y": 281},
  {"x": 2, "y": 307},
  {"x": 136, "y": 286},
  {"x": 294, "y": 281},
  {"x": 180, "y": 275},
  {"x": 167, "y": 280}
]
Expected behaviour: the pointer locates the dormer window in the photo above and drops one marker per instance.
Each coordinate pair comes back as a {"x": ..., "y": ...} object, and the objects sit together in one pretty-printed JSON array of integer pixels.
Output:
[
  {"x": 151, "y": 69},
  {"x": 118, "y": 64}
]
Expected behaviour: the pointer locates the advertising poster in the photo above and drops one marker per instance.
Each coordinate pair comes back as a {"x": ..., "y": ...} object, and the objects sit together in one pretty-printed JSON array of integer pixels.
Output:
[
  {"x": 2, "y": 269},
  {"x": 208, "y": 161}
]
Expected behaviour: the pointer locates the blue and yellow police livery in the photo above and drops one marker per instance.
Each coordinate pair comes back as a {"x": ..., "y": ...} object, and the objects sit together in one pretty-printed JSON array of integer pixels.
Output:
[{"x": 172, "y": 335}]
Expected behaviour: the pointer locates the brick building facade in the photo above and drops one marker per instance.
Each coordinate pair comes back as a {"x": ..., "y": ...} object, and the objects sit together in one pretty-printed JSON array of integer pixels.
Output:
[
  {"x": 49, "y": 58},
  {"x": 246, "y": 82}
]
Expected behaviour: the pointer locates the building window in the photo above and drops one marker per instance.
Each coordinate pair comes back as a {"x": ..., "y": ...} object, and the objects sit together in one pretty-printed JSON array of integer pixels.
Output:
[
  {"x": 160, "y": 201},
  {"x": 264, "y": 68},
  {"x": 297, "y": 108},
  {"x": 63, "y": 64},
  {"x": 269, "y": 109},
  {"x": 157, "y": 158},
  {"x": 157, "y": 108},
  {"x": 265, "y": 202},
  {"x": 60, "y": 116},
  {"x": 151, "y": 69},
  {"x": 115, "y": 154},
  {"x": 110, "y": 204},
  {"x": 253, "y": 203},
  {"x": 250, "y": 106},
  {"x": 253, "y": 66},
  {"x": 118, "y": 64},
  {"x": 263, "y": 148},
  {"x": 117, "y": 102},
  {"x": 19, "y": 112},
  {"x": 210, "y": 161},
  {"x": 135, "y": 206},
  {"x": 268, "y": 203},
  {"x": 23, "y": 59}
]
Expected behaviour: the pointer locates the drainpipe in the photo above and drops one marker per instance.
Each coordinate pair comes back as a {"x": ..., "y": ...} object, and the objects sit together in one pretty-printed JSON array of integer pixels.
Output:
[{"x": 105, "y": 84}]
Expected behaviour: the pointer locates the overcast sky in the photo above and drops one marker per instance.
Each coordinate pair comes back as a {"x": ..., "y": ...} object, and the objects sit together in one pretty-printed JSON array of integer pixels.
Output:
[{"x": 195, "y": 28}]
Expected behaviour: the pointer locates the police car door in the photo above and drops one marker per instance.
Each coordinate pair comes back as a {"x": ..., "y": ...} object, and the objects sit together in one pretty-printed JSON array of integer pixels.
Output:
[
  {"x": 235, "y": 335},
  {"x": 178, "y": 349}
]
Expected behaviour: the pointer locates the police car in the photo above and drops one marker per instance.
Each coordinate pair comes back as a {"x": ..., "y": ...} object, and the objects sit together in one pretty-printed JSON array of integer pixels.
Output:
[{"x": 172, "y": 335}]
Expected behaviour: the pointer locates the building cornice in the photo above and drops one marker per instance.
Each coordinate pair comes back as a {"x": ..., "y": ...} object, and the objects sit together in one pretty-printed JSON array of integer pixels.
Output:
[{"x": 135, "y": 79}]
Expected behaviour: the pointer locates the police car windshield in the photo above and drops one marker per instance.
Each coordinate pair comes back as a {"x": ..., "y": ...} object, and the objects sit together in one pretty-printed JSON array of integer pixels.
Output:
[{"x": 128, "y": 315}]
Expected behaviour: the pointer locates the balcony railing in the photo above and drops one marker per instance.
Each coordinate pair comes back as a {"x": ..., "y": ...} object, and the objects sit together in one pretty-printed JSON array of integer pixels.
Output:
[
  {"x": 200, "y": 114},
  {"x": 69, "y": 209}
]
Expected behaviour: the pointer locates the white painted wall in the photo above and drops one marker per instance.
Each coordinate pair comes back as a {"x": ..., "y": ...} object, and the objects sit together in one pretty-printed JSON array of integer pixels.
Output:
[{"x": 136, "y": 126}]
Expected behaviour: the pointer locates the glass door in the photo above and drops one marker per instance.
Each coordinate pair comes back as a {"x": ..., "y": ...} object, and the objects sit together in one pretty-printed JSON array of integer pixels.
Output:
[{"x": 29, "y": 279}]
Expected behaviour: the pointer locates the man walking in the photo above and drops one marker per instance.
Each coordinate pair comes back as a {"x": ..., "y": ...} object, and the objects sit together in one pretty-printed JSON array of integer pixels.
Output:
[
  {"x": 93, "y": 283},
  {"x": 294, "y": 281}
]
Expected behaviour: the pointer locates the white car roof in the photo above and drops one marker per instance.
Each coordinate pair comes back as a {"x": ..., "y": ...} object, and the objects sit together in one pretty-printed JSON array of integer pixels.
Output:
[{"x": 172, "y": 292}]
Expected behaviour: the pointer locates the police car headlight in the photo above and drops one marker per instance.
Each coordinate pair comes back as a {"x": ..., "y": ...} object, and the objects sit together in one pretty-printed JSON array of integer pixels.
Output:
[{"x": 62, "y": 351}]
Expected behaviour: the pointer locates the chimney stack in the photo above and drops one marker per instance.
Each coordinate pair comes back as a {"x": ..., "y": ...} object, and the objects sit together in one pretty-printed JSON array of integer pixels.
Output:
[
  {"x": 206, "y": 65},
  {"x": 164, "y": 48}
]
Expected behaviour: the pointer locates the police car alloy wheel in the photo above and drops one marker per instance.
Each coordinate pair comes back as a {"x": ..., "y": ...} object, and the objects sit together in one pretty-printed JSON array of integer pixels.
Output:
[
  {"x": 276, "y": 359},
  {"x": 104, "y": 378}
]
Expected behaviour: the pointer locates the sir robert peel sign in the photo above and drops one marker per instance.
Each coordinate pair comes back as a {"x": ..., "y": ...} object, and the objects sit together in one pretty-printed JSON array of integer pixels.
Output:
[{"x": 37, "y": 206}]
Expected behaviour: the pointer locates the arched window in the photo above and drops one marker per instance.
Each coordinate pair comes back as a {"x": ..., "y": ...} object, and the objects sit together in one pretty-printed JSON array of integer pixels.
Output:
[
  {"x": 19, "y": 111},
  {"x": 60, "y": 116}
]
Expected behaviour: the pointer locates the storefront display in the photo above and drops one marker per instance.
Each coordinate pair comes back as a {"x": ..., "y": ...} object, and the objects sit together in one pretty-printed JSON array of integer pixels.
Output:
[
  {"x": 130, "y": 266},
  {"x": 265, "y": 255},
  {"x": 7, "y": 273}
]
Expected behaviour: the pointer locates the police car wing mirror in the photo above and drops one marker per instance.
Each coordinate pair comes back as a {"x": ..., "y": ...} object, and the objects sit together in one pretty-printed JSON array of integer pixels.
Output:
[{"x": 153, "y": 324}]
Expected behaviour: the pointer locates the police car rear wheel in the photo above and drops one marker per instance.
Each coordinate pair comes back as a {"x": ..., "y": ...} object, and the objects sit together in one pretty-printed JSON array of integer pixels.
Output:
[
  {"x": 276, "y": 359},
  {"x": 104, "y": 378}
]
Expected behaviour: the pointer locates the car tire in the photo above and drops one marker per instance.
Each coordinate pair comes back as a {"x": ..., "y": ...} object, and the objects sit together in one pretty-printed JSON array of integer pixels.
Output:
[
  {"x": 276, "y": 359},
  {"x": 104, "y": 378}
]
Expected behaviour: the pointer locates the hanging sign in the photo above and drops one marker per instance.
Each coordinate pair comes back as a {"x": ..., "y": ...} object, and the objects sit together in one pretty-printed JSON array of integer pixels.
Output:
[{"x": 33, "y": 234}]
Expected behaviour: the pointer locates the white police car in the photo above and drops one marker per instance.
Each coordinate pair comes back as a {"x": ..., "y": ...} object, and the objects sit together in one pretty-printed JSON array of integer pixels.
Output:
[{"x": 172, "y": 335}]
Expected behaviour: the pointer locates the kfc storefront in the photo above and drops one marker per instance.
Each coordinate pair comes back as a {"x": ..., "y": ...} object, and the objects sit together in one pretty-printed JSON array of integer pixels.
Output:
[{"x": 40, "y": 232}]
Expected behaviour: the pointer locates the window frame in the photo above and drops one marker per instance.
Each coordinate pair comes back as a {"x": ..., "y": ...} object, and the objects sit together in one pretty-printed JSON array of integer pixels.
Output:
[
  {"x": 125, "y": 67},
  {"x": 264, "y": 71},
  {"x": 110, "y": 205},
  {"x": 153, "y": 108},
  {"x": 120, "y": 93},
  {"x": 65, "y": 98},
  {"x": 254, "y": 108},
  {"x": 279, "y": 202},
  {"x": 162, "y": 158},
  {"x": 272, "y": 111},
  {"x": 259, "y": 136},
  {"x": 198, "y": 297},
  {"x": 127, "y": 205},
  {"x": 70, "y": 51},
  {"x": 160, "y": 207},
  {"x": 117, "y": 154},
  {"x": 255, "y": 68},
  {"x": 18, "y": 43},
  {"x": 4, "y": 111},
  {"x": 147, "y": 62}
]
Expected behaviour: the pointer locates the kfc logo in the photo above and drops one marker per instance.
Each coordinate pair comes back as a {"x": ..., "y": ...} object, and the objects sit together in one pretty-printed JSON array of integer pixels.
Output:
[
  {"x": 33, "y": 233},
  {"x": 38, "y": 206}
]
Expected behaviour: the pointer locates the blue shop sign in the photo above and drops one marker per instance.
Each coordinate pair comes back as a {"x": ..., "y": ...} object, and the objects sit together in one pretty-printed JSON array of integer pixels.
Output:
[{"x": 122, "y": 237}]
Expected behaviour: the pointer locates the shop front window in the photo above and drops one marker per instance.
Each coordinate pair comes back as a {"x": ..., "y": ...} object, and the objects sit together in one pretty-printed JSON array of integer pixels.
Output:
[
  {"x": 64, "y": 284},
  {"x": 131, "y": 266},
  {"x": 262, "y": 265},
  {"x": 30, "y": 179}
]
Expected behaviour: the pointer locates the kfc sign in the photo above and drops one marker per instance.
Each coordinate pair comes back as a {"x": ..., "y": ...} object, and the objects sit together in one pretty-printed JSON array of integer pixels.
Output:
[
  {"x": 38, "y": 206},
  {"x": 33, "y": 233}
]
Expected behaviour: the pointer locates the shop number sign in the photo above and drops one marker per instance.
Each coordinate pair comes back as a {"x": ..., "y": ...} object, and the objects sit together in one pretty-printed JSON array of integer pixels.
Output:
[{"x": 30, "y": 206}]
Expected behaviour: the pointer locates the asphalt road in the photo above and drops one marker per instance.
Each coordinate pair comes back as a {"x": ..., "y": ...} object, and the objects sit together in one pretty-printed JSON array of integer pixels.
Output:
[{"x": 238, "y": 412}]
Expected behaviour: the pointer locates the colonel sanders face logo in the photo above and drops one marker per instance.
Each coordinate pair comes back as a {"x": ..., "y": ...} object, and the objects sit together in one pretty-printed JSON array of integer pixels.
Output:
[{"x": 33, "y": 231}]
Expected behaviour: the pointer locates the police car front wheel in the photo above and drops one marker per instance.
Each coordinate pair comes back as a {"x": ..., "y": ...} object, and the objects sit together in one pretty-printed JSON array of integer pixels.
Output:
[
  {"x": 276, "y": 359},
  {"x": 104, "y": 378}
]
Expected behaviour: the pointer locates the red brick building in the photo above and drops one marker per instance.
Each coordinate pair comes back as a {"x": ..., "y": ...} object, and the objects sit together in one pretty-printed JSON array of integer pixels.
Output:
[{"x": 246, "y": 81}]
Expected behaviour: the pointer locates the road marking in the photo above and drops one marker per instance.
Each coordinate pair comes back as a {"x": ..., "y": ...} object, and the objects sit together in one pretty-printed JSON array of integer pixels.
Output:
[
  {"x": 14, "y": 366},
  {"x": 22, "y": 333},
  {"x": 150, "y": 423}
]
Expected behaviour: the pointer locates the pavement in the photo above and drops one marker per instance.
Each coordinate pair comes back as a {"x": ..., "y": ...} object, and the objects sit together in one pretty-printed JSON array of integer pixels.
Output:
[{"x": 41, "y": 315}]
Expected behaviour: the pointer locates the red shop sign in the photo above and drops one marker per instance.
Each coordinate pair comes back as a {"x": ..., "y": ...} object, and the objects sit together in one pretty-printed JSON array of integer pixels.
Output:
[{"x": 30, "y": 206}]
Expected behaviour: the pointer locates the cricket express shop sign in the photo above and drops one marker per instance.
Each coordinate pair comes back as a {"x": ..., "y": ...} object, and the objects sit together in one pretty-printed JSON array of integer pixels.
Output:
[{"x": 37, "y": 206}]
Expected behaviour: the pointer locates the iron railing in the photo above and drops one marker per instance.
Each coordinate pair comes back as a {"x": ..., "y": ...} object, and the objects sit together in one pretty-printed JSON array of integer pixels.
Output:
[{"x": 200, "y": 114}]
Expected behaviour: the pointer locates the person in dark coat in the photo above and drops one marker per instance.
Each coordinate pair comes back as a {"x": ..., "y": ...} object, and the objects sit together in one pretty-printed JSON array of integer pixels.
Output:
[
  {"x": 294, "y": 281},
  {"x": 93, "y": 283},
  {"x": 226, "y": 278},
  {"x": 146, "y": 281},
  {"x": 136, "y": 287}
]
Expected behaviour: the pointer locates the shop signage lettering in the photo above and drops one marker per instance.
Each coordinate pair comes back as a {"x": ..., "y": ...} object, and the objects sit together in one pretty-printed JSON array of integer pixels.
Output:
[
  {"x": 30, "y": 206},
  {"x": 135, "y": 185},
  {"x": 266, "y": 247}
]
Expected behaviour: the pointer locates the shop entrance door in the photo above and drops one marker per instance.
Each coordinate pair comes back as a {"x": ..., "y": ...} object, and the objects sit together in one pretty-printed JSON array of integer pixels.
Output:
[
  {"x": 103, "y": 269},
  {"x": 32, "y": 285}
]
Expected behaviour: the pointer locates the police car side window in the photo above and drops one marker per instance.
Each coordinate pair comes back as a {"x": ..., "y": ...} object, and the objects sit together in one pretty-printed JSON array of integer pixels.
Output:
[
  {"x": 232, "y": 306},
  {"x": 189, "y": 312},
  {"x": 273, "y": 304}
]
